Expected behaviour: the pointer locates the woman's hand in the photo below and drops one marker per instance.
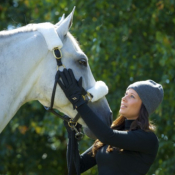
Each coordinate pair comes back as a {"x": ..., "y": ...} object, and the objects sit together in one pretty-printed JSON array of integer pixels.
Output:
[{"x": 71, "y": 88}]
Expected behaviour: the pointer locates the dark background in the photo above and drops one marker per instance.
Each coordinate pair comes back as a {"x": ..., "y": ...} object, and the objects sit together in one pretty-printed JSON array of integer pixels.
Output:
[{"x": 126, "y": 41}]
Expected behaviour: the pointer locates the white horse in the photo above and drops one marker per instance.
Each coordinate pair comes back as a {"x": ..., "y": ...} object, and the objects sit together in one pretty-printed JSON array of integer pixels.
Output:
[{"x": 28, "y": 68}]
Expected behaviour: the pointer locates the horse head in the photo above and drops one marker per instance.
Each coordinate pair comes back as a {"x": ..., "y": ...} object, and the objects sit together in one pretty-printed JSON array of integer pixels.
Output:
[{"x": 72, "y": 57}]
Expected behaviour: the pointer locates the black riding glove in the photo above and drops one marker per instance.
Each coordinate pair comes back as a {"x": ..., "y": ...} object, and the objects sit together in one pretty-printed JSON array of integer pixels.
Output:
[{"x": 72, "y": 89}]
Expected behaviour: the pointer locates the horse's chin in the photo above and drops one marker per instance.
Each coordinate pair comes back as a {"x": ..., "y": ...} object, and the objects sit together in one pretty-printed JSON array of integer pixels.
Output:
[{"x": 89, "y": 133}]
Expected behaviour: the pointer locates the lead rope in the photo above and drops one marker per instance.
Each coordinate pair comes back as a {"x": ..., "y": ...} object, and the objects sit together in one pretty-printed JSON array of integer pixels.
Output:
[
  {"x": 73, "y": 153},
  {"x": 73, "y": 160}
]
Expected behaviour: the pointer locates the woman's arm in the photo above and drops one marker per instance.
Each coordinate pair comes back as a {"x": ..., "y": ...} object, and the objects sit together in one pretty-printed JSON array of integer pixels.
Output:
[
  {"x": 86, "y": 160},
  {"x": 137, "y": 140}
]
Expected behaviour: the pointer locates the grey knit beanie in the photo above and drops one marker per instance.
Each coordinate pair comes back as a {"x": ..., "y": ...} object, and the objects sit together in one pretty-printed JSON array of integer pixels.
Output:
[{"x": 150, "y": 92}]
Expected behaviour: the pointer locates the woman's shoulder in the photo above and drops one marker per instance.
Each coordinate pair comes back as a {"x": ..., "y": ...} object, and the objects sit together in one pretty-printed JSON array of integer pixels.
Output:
[
  {"x": 148, "y": 135},
  {"x": 148, "y": 139}
]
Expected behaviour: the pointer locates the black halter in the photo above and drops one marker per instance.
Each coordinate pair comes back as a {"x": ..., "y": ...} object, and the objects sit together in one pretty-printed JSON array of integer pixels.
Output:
[{"x": 72, "y": 122}]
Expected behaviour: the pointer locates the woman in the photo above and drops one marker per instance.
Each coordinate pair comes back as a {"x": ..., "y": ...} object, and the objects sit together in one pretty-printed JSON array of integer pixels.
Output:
[{"x": 130, "y": 146}]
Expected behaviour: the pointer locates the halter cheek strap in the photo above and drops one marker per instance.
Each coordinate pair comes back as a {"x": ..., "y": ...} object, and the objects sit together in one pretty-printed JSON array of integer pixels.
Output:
[{"x": 54, "y": 44}]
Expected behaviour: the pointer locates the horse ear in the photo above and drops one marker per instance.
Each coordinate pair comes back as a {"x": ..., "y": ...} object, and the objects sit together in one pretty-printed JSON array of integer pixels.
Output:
[
  {"x": 62, "y": 19},
  {"x": 64, "y": 26}
]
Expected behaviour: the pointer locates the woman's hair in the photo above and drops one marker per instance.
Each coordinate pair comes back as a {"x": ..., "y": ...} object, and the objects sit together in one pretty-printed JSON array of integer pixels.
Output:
[{"x": 142, "y": 122}]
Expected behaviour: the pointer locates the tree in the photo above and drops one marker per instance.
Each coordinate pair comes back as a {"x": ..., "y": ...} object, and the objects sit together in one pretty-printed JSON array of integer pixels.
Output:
[{"x": 125, "y": 41}]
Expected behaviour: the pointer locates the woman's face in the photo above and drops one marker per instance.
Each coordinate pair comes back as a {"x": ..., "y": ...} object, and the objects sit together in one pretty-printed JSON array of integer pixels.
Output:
[{"x": 130, "y": 105}]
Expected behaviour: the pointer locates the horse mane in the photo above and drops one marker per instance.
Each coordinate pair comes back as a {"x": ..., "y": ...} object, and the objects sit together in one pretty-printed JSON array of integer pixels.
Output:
[
  {"x": 27, "y": 28},
  {"x": 31, "y": 28}
]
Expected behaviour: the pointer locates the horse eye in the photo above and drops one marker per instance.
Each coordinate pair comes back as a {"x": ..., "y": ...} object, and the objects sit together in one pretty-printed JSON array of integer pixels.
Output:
[{"x": 82, "y": 62}]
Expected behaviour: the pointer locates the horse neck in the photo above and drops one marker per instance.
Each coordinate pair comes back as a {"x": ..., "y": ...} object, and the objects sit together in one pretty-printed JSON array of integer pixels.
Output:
[{"x": 20, "y": 65}]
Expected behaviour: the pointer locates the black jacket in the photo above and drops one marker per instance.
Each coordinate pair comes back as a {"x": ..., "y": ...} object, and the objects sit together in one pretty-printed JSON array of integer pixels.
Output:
[{"x": 139, "y": 148}]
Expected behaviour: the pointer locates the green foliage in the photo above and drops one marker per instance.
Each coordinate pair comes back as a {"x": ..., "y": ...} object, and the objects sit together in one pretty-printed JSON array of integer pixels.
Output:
[{"x": 125, "y": 41}]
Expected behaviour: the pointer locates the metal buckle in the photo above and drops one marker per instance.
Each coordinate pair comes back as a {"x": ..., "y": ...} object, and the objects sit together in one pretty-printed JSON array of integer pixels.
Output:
[
  {"x": 87, "y": 97},
  {"x": 57, "y": 48},
  {"x": 72, "y": 124},
  {"x": 58, "y": 58},
  {"x": 78, "y": 134}
]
